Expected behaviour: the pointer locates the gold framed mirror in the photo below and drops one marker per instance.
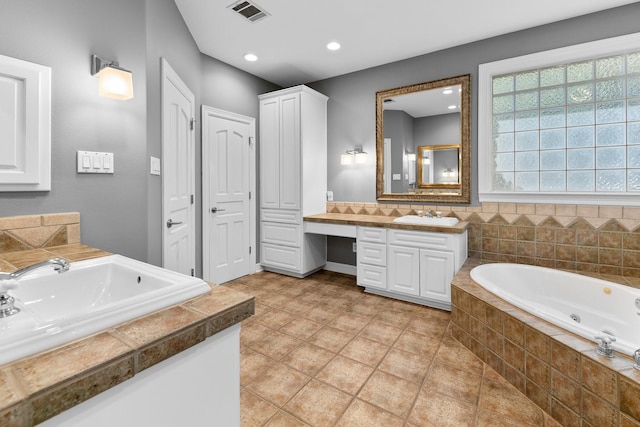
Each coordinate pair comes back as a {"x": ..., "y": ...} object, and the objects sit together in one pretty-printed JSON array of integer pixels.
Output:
[{"x": 431, "y": 117}]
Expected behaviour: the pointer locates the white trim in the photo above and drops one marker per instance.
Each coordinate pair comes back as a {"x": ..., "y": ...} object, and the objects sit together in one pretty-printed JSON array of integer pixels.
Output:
[
  {"x": 591, "y": 50},
  {"x": 341, "y": 268}
]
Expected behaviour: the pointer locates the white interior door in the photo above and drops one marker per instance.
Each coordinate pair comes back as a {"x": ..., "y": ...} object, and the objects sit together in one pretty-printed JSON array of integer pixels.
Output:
[
  {"x": 178, "y": 166},
  {"x": 228, "y": 171}
]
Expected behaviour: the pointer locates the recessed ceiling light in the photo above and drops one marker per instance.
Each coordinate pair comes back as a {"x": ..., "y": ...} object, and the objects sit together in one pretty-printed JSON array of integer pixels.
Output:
[
  {"x": 452, "y": 107},
  {"x": 251, "y": 57},
  {"x": 447, "y": 91},
  {"x": 333, "y": 45}
]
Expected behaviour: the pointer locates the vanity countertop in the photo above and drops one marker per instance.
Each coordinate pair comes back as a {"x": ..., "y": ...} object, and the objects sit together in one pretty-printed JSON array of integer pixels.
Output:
[
  {"x": 39, "y": 387},
  {"x": 382, "y": 221}
]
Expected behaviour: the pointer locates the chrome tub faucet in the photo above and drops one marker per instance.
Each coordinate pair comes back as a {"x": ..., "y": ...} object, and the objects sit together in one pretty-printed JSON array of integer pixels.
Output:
[
  {"x": 604, "y": 345},
  {"x": 9, "y": 281}
]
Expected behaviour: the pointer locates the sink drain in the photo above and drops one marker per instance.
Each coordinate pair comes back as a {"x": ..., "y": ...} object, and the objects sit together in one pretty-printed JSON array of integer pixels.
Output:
[{"x": 575, "y": 317}]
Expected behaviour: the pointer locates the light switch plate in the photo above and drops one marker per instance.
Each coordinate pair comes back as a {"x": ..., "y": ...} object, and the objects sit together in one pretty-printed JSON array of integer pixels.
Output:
[
  {"x": 154, "y": 166},
  {"x": 95, "y": 162}
]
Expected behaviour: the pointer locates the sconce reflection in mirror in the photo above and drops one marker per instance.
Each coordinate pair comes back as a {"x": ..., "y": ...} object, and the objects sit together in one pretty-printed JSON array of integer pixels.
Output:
[
  {"x": 114, "y": 81},
  {"x": 356, "y": 156}
]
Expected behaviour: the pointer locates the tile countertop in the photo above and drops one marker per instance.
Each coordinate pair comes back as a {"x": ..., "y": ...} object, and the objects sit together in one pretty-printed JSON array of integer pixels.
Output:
[
  {"x": 39, "y": 387},
  {"x": 382, "y": 221}
]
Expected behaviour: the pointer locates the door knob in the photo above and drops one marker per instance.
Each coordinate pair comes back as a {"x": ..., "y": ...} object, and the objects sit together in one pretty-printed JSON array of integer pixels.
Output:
[
  {"x": 214, "y": 210},
  {"x": 171, "y": 223}
]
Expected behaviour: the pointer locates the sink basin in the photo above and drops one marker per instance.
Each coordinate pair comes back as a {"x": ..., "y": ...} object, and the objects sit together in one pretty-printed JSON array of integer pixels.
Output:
[
  {"x": 424, "y": 220},
  {"x": 92, "y": 296}
]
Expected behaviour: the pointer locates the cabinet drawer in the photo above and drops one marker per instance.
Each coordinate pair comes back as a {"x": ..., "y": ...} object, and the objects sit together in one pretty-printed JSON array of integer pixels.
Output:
[
  {"x": 421, "y": 239},
  {"x": 372, "y": 253},
  {"x": 372, "y": 234},
  {"x": 372, "y": 276},
  {"x": 281, "y": 234},
  {"x": 281, "y": 256},
  {"x": 280, "y": 215}
]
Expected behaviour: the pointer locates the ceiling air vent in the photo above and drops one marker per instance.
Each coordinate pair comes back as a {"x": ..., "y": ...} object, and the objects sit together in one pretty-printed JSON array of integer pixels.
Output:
[{"x": 249, "y": 10}]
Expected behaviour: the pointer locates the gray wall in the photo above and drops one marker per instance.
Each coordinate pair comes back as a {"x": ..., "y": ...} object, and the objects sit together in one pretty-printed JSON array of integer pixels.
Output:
[
  {"x": 351, "y": 114},
  {"x": 443, "y": 129},
  {"x": 120, "y": 213},
  {"x": 62, "y": 34},
  {"x": 351, "y": 108}
]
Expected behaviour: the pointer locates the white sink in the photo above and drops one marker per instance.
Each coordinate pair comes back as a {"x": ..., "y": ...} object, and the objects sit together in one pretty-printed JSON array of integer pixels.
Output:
[
  {"x": 93, "y": 295},
  {"x": 424, "y": 220}
]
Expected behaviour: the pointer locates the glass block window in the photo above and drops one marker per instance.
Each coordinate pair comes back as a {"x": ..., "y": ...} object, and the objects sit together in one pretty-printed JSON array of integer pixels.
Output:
[{"x": 571, "y": 128}]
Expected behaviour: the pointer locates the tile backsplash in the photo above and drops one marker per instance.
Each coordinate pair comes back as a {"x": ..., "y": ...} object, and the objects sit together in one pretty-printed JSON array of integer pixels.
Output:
[
  {"x": 21, "y": 233},
  {"x": 596, "y": 239}
]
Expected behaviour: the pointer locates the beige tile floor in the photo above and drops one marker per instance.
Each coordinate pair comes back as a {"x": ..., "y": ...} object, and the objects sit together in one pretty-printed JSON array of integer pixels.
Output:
[{"x": 321, "y": 352}]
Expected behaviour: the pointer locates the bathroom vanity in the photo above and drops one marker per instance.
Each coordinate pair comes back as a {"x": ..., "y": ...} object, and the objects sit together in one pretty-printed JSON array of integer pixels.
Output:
[{"x": 410, "y": 262}]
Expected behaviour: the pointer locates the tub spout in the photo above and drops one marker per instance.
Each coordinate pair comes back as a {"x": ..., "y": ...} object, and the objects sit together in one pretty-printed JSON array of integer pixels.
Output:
[
  {"x": 636, "y": 359},
  {"x": 58, "y": 264},
  {"x": 604, "y": 345},
  {"x": 9, "y": 281}
]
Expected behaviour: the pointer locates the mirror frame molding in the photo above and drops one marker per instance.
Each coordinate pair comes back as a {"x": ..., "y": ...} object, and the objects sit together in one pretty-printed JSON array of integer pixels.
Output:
[{"x": 465, "y": 142}]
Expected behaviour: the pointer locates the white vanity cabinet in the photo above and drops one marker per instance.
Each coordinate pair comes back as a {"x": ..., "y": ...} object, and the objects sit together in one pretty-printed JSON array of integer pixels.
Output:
[
  {"x": 420, "y": 266},
  {"x": 293, "y": 179},
  {"x": 372, "y": 257}
]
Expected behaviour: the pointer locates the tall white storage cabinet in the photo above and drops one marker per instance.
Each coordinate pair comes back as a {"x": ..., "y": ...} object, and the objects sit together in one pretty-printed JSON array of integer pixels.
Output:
[{"x": 293, "y": 179}]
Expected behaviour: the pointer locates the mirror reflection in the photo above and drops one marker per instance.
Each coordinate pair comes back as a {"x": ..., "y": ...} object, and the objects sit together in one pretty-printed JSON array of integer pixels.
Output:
[
  {"x": 422, "y": 145},
  {"x": 438, "y": 166}
]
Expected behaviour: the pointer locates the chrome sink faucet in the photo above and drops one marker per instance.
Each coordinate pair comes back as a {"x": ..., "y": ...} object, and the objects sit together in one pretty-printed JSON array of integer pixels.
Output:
[
  {"x": 9, "y": 281},
  {"x": 429, "y": 213},
  {"x": 636, "y": 359}
]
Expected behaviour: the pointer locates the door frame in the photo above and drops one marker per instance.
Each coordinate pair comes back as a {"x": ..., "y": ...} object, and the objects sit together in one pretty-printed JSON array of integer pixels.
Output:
[
  {"x": 168, "y": 74},
  {"x": 206, "y": 174}
]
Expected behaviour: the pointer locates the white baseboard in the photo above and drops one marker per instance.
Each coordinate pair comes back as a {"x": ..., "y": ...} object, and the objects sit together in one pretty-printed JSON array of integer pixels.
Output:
[
  {"x": 258, "y": 268},
  {"x": 341, "y": 268}
]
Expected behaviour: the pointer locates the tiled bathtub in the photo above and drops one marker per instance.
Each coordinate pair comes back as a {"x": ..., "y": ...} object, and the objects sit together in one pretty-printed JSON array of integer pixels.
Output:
[{"x": 557, "y": 370}]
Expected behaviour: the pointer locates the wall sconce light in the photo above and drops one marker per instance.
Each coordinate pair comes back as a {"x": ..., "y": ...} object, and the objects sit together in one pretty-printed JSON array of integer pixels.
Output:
[
  {"x": 115, "y": 82},
  {"x": 426, "y": 160},
  {"x": 355, "y": 156},
  {"x": 410, "y": 156}
]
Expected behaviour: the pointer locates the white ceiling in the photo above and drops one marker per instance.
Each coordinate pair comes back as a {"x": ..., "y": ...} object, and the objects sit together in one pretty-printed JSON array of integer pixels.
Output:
[{"x": 291, "y": 42}]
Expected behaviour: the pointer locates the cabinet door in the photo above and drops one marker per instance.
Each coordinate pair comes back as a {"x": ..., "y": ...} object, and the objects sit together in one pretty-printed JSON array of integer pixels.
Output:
[
  {"x": 403, "y": 270},
  {"x": 436, "y": 273},
  {"x": 290, "y": 151},
  {"x": 270, "y": 153}
]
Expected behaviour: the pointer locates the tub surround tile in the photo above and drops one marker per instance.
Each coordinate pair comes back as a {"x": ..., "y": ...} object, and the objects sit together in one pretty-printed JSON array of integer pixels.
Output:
[
  {"x": 26, "y": 232},
  {"x": 560, "y": 372}
]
